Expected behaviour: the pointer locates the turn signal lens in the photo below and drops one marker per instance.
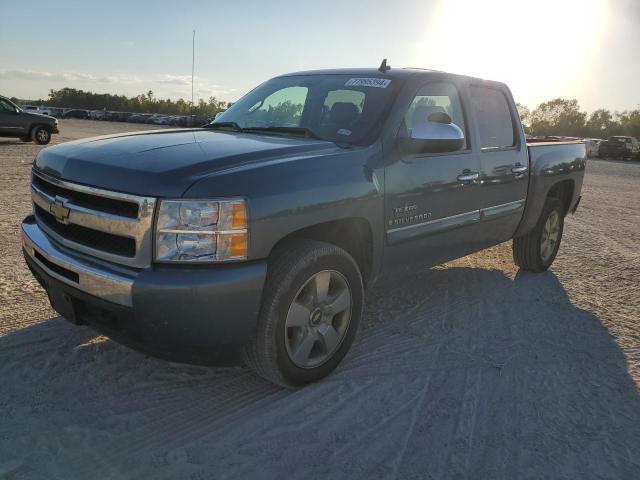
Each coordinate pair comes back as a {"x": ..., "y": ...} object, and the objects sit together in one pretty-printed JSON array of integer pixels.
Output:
[{"x": 239, "y": 216}]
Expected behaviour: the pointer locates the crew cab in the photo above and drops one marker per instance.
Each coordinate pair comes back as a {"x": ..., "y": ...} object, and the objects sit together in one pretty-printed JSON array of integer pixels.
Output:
[
  {"x": 619, "y": 147},
  {"x": 254, "y": 237},
  {"x": 15, "y": 122}
]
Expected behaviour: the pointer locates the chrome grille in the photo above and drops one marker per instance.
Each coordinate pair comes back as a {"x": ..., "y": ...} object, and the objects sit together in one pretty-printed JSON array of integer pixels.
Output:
[{"x": 109, "y": 225}]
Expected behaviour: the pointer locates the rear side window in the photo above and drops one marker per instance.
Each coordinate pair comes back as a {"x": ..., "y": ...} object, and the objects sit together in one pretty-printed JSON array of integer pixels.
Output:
[{"x": 493, "y": 117}]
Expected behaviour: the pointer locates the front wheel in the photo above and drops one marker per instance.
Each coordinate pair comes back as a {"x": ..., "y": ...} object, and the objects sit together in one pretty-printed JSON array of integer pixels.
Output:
[
  {"x": 537, "y": 250},
  {"x": 41, "y": 135},
  {"x": 310, "y": 312}
]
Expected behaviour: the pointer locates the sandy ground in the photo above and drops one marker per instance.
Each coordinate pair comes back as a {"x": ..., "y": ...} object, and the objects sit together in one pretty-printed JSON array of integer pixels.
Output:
[{"x": 468, "y": 370}]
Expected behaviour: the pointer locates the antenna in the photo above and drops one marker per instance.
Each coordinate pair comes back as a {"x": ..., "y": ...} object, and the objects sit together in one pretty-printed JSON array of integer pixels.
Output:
[
  {"x": 384, "y": 68},
  {"x": 193, "y": 62}
]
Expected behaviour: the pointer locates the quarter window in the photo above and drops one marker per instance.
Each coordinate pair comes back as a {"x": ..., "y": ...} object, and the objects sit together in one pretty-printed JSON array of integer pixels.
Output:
[{"x": 493, "y": 117}]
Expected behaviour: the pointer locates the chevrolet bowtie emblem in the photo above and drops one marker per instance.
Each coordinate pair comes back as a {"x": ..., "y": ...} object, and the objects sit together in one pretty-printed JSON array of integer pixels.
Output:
[{"x": 59, "y": 211}]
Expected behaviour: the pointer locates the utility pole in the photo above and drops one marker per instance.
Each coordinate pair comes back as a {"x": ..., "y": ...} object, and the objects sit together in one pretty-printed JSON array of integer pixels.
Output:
[{"x": 193, "y": 63}]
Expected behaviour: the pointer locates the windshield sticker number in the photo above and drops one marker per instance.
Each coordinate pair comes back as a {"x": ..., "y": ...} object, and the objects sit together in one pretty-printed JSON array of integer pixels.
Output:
[{"x": 368, "y": 82}]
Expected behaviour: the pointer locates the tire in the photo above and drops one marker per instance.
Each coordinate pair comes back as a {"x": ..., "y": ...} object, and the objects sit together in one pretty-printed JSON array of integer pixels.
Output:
[
  {"x": 41, "y": 135},
  {"x": 533, "y": 251},
  {"x": 290, "y": 348}
]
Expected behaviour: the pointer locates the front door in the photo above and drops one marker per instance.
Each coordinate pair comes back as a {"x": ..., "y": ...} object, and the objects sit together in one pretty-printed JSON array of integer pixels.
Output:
[{"x": 431, "y": 200}]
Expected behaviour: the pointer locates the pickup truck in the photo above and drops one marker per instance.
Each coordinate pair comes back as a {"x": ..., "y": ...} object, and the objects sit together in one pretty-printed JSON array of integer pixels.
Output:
[
  {"x": 254, "y": 237},
  {"x": 625, "y": 148},
  {"x": 28, "y": 126}
]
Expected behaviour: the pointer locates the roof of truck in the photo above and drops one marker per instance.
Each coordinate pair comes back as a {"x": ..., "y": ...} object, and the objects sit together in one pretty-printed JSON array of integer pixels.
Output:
[{"x": 399, "y": 73}]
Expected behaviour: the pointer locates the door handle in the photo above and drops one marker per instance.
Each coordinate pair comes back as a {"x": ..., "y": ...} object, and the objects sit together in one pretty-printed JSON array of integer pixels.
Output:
[
  {"x": 468, "y": 176},
  {"x": 519, "y": 168}
]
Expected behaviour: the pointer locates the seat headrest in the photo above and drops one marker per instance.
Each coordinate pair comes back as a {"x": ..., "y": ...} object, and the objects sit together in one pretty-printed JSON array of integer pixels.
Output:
[
  {"x": 343, "y": 113},
  {"x": 422, "y": 112}
]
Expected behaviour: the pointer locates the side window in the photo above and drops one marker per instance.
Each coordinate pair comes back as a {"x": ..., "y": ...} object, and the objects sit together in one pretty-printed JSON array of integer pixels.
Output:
[
  {"x": 6, "y": 107},
  {"x": 432, "y": 98},
  {"x": 493, "y": 117},
  {"x": 283, "y": 107}
]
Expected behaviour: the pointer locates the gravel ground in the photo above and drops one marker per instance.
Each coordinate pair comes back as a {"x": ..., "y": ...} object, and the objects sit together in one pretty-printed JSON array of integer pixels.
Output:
[{"x": 467, "y": 370}]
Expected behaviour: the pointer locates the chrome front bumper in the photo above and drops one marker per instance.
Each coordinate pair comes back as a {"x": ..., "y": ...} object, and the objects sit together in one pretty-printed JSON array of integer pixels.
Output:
[{"x": 92, "y": 278}]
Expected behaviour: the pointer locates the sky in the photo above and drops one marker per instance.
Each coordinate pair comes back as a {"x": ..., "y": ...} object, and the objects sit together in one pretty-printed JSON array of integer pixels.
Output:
[{"x": 583, "y": 49}]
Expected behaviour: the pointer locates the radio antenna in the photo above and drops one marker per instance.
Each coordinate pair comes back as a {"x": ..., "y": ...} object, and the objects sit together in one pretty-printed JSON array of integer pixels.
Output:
[{"x": 384, "y": 68}]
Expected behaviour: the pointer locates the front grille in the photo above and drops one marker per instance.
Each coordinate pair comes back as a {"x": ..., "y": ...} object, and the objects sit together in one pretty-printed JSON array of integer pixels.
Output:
[
  {"x": 101, "y": 204},
  {"x": 88, "y": 237},
  {"x": 112, "y": 226}
]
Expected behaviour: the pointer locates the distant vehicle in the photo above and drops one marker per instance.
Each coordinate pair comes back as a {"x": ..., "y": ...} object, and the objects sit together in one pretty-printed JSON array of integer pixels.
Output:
[
  {"x": 51, "y": 111},
  {"x": 77, "y": 113},
  {"x": 619, "y": 146},
  {"x": 29, "y": 108},
  {"x": 255, "y": 236},
  {"x": 592, "y": 147},
  {"x": 28, "y": 126}
]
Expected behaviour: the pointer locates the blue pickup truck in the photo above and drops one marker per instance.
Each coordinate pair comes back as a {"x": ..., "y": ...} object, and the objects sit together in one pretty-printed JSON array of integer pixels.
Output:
[{"x": 254, "y": 237}]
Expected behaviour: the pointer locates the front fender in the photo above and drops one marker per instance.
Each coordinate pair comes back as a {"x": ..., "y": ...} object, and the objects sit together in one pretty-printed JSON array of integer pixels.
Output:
[{"x": 287, "y": 195}]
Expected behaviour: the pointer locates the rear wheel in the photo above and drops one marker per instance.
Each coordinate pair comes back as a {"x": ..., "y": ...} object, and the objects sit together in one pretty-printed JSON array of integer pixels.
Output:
[
  {"x": 309, "y": 316},
  {"x": 41, "y": 135},
  {"x": 537, "y": 250}
]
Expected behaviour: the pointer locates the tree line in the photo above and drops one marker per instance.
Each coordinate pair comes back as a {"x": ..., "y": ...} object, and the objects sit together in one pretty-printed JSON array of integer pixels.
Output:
[
  {"x": 143, "y": 103},
  {"x": 561, "y": 117}
]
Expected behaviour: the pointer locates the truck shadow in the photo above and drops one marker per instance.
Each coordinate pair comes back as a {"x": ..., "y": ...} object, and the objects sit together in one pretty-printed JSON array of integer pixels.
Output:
[{"x": 456, "y": 372}]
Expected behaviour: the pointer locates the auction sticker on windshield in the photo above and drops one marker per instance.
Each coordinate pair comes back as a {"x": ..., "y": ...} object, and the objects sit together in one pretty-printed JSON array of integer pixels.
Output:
[{"x": 368, "y": 82}]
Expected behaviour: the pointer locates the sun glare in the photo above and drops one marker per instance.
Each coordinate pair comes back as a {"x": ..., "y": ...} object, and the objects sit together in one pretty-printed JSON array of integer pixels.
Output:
[{"x": 529, "y": 45}]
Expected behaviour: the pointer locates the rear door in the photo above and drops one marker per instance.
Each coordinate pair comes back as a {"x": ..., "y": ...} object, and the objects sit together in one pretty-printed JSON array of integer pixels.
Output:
[{"x": 503, "y": 158}]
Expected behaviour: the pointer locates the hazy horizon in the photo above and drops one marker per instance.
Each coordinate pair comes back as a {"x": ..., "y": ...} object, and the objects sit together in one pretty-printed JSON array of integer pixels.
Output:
[{"x": 583, "y": 49}]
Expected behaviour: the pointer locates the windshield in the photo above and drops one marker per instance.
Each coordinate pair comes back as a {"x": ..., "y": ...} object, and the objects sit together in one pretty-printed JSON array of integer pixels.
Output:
[{"x": 338, "y": 108}]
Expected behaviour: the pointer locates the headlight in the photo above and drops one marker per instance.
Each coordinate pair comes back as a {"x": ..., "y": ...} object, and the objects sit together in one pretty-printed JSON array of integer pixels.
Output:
[{"x": 201, "y": 231}]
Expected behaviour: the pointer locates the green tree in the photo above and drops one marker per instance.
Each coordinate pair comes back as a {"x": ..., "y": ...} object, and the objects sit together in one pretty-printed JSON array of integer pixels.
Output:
[{"x": 559, "y": 117}]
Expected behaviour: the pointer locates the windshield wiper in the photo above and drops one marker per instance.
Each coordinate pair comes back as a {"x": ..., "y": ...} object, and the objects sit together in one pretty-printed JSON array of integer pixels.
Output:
[
  {"x": 224, "y": 126},
  {"x": 283, "y": 129}
]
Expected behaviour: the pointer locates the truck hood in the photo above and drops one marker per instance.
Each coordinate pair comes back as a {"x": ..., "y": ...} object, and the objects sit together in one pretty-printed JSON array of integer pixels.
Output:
[
  {"x": 165, "y": 163},
  {"x": 38, "y": 117}
]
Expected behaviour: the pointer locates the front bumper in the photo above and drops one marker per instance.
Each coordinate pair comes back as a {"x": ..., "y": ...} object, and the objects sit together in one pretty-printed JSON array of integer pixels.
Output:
[{"x": 195, "y": 314}]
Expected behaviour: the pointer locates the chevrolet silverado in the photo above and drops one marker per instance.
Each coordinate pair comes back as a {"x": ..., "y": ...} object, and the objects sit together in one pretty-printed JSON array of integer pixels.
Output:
[{"x": 254, "y": 237}]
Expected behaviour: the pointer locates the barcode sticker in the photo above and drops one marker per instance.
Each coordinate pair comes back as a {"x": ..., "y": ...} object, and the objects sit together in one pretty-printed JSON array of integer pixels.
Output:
[{"x": 368, "y": 82}]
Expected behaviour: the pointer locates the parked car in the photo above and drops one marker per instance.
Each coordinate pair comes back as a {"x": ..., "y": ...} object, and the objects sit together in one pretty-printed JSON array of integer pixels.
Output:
[
  {"x": 28, "y": 126},
  {"x": 256, "y": 236},
  {"x": 619, "y": 147},
  {"x": 51, "y": 111},
  {"x": 75, "y": 113}
]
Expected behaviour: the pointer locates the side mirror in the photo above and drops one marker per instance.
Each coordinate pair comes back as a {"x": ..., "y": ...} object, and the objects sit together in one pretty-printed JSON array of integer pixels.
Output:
[{"x": 438, "y": 135}]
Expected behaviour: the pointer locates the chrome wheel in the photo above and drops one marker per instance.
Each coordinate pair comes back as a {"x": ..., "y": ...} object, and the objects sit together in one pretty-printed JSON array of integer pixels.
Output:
[
  {"x": 550, "y": 235},
  {"x": 318, "y": 319}
]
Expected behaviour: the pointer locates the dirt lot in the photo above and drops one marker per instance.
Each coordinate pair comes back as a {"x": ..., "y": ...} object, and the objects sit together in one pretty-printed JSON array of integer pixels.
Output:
[{"x": 469, "y": 370}]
